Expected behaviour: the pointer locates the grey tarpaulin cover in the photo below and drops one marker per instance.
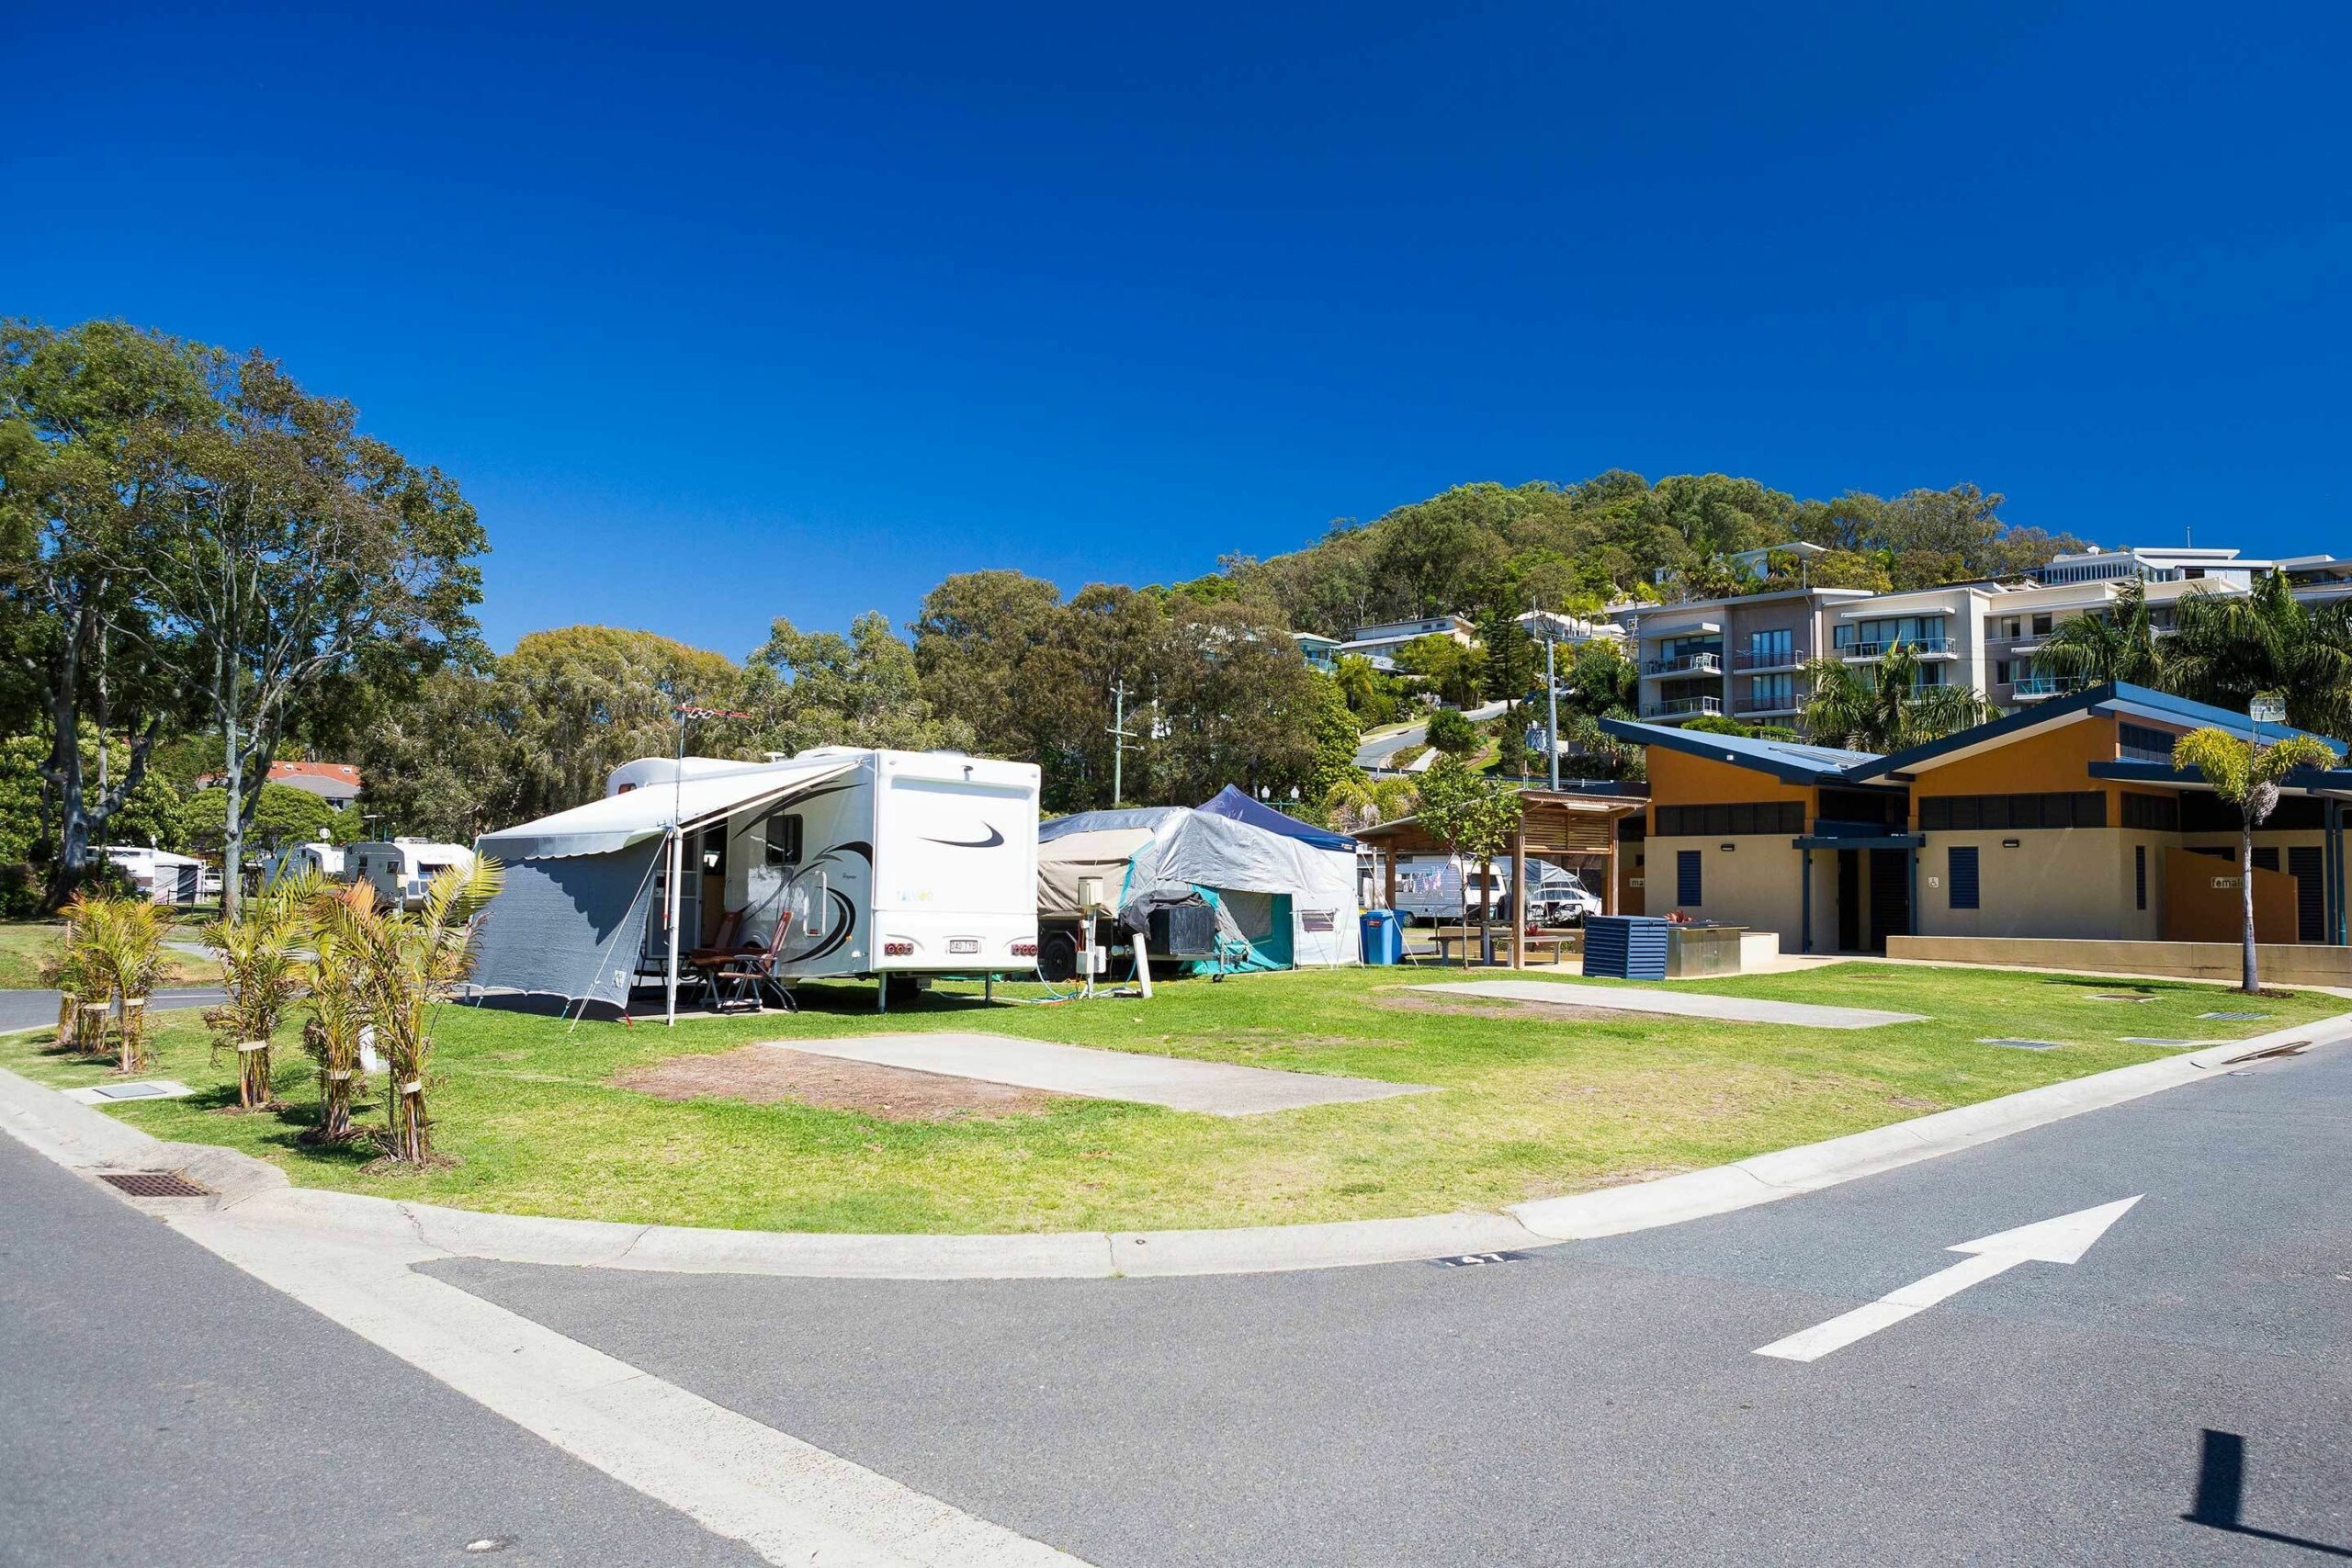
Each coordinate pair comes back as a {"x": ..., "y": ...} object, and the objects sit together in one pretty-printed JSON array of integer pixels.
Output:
[{"x": 1153, "y": 857}]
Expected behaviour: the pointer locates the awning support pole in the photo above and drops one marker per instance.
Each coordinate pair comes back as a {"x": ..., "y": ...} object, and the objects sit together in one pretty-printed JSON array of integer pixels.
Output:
[{"x": 677, "y": 887}]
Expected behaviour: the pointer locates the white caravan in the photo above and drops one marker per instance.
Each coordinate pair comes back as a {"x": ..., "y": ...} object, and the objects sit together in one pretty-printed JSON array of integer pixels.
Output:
[
  {"x": 1430, "y": 888},
  {"x": 325, "y": 860},
  {"x": 843, "y": 863},
  {"x": 162, "y": 876},
  {"x": 401, "y": 869}
]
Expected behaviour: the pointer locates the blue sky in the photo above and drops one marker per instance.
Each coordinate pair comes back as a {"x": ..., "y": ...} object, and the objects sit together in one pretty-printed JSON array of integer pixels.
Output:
[{"x": 719, "y": 317}]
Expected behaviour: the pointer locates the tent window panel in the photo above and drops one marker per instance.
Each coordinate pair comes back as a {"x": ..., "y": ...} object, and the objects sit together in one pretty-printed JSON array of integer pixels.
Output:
[{"x": 781, "y": 834}]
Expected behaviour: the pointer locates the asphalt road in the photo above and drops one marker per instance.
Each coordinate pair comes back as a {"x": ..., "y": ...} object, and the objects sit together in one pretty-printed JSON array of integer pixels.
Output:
[
  {"x": 1602, "y": 1403},
  {"x": 162, "y": 1408},
  {"x": 32, "y": 1010}
]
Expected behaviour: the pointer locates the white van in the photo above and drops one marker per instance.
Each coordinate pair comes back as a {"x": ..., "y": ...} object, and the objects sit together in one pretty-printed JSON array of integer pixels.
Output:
[{"x": 401, "y": 869}]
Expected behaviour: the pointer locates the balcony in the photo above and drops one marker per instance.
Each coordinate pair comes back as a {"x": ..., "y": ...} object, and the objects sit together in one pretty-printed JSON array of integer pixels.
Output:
[
  {"x": 1682, "y": 707},
  {"x": 1685, "y": 665},
  {"x": 2041, "y": 688},
  {"x": 1753, "y": 662},
  {"x": 1924, "y": 647},
  {"x": 1793, "y": 703}
]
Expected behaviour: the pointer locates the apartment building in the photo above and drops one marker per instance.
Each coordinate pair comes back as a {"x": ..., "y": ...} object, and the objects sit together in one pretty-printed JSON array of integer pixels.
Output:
[{"x": 1742, "y": 656}]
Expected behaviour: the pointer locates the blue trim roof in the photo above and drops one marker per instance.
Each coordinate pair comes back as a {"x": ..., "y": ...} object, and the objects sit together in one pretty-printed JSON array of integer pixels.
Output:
[
  {"x": 1789, "y": 761},
  {"x": 2136, "y": 702},
  {"x": 2165, "y": 773}
]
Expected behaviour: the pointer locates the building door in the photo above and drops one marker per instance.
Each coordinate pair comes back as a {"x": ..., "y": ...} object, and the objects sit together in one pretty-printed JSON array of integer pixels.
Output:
[
  {"x": 1849, "y": 900},
  {"x": 1890, "y": 896}
]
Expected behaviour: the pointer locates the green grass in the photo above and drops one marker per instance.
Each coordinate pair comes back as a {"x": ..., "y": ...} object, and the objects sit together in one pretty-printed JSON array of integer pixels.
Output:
[
  {"x": 1531, "y": 1102},
  {"x": 26, "y": 946}
]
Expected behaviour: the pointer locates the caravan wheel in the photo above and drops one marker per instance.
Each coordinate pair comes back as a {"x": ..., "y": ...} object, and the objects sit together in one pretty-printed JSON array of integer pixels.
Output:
[{"x": 1058, "y": 957}]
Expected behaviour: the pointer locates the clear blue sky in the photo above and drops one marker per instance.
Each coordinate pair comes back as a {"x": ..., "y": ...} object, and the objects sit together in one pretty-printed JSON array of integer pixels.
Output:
[{"x": 720, "y": 317}]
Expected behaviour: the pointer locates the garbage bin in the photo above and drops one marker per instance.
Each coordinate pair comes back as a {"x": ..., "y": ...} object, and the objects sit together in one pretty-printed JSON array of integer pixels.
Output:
[{"x": 1384, "y": 937}]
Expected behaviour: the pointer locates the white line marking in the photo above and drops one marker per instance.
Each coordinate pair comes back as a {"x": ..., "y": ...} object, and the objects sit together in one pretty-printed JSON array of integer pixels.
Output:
[{"x": 2061, "y": 1240}]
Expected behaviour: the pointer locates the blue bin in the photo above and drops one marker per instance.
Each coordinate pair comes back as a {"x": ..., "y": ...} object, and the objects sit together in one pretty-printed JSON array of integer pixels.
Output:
[
  {"x": 1384, "y": 937},
  {"x": 1625, "y": 947}
]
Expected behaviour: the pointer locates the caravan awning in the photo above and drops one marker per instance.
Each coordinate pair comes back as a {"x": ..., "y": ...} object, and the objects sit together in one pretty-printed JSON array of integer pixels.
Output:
[{"x": 609, "y": 826}]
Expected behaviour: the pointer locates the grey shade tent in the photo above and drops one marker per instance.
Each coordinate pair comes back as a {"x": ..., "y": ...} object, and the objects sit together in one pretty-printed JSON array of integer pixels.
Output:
[{"x": 581, "y": 884}]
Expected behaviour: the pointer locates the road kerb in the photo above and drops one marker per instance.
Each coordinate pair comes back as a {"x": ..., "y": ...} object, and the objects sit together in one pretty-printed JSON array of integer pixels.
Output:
[{"x": 86, "y": 1138}]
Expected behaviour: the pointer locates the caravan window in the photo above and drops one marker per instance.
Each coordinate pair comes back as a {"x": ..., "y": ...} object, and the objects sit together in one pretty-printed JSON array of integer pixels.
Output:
[{"x": 782, "y": 833}]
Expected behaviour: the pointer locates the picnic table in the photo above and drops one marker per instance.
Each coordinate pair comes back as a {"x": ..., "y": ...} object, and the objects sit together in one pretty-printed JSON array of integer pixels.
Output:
[{"x": 1447, "y": 938}]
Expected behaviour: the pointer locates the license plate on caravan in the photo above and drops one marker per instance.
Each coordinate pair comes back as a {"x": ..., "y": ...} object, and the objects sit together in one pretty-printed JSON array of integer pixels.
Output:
[{"x": 963, "y": 944}]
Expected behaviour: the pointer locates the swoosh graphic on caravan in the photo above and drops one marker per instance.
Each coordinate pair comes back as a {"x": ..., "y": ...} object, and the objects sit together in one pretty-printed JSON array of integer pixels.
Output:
[{"x": 991, "y": 841}]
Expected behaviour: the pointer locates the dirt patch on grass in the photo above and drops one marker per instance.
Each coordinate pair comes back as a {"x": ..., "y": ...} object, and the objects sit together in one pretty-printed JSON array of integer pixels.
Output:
[
  {"x": 1518, "y": 1012},
  {"x": 764, "y": 1074}
]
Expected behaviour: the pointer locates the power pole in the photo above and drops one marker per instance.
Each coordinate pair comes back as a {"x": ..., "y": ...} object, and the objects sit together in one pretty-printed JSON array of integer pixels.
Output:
[
  {"x": 1552, "y": 698},
  {"x": 1119, "y": 739}
]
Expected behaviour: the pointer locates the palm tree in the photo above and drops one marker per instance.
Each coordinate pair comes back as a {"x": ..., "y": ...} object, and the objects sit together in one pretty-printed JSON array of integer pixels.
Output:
[
  {"x": 2227, "y": 650},
  {"x": 2247, "y": 776},
  {"x": 402, "y": 965},
  {"x": 263, "y": 971},
  {"x": 2101, "y": 649},
  {"x": 1887, "y": 711},
  {"x": 332, "y": 1035},
  {"x": 124, "y": 952}
]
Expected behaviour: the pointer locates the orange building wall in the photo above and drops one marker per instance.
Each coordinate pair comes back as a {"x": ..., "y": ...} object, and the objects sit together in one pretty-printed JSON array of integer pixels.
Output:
[
  {"x": 2196, "y": 911},
  {"x": 1677, "y": 779},
  {"x": 2056, "y": 760}
]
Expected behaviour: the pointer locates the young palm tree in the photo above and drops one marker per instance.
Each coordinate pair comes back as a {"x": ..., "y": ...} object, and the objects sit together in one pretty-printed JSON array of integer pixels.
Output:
[
  {"x": 1888, "y": 711},
  {"x": 80, "y": 975},
  {"x": 2227, "y": 650},
  {"x": 263, "y": 972},
  {"x": 402, "y": 965},
  {"x": 126, "y": 947},
  {"x": 331, "y": 1035},
  {"x": 2247, "y": 777},
  {"x": 2099, "y": 648}
]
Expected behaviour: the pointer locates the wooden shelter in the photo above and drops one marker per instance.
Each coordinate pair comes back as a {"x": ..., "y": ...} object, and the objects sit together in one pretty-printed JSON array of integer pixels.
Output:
[{"x": 1572, "y": 828}]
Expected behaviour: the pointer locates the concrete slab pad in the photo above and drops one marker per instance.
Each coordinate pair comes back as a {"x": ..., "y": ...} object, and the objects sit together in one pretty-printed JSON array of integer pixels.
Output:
[
  {"x": 1682, "y": 1004},
  {"x": 123, "y": 1093},
  {"x": 1220, "y": 1089}
]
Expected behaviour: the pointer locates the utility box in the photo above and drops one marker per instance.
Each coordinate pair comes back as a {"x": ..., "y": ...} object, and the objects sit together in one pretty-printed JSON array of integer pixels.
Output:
[
  {"x": 1185, "y": 931},
  {"x": 1089, "y": 894}
]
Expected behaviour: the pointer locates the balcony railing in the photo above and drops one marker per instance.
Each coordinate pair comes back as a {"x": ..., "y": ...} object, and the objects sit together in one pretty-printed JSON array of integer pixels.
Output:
[
  {"x": 1793, "y": 703},
  {"x": 1685, "y": 665},
  {"x": 1771, "y": 658},
  {"x": 2027, "y": 688},
  {"x": 1929, "y": 645},
  {"x": 1682, "y": 707}
]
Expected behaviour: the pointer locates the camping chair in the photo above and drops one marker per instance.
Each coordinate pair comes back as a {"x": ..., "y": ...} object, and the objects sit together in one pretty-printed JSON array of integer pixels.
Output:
[
  {"x": 747, "y": 978},
  {"x": 705, "y": 962}
]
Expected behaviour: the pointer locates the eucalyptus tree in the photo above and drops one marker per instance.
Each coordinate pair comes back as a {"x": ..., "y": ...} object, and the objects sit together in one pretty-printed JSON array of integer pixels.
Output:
[
  {"x": 93, "y": 420},
  {"x": 289, "y": 561}
]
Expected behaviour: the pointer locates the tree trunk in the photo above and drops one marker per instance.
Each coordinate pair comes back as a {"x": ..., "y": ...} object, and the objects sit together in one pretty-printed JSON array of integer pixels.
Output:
[
  {"x": 1486, "y": 907},
  {"x": 335, "y": 1105},
  {"x": 412, "y": 1133},
  {"x": 252, "y": 1074},
  {"x": 133, "y": 1058},
  {"x": 232, "y": 829},
  {"x": 2246, "y": 886}
]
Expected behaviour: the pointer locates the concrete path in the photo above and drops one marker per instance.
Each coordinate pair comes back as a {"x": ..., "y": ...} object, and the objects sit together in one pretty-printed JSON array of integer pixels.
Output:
[
  {"x": 1682, "y": 1004},
  {"x": 2176, "y": 1399},
  {"x": 1220, "y": 1089}
]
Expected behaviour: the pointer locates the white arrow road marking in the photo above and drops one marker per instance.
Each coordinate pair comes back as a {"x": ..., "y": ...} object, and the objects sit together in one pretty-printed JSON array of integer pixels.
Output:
[{"x": 2061, "y": 1240}]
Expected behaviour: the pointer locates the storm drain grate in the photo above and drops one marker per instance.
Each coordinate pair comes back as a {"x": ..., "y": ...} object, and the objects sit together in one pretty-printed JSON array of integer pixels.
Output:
[
  {"x": 2164, "y": 1040},
  {"x": 2021, "y": 1044},
  {"x": 1476, "y": 1259},
  {"x": 2120, "y": 996},
  {"x": 2235, "y": 1015},
  {"x": 153, "y": 1184}
]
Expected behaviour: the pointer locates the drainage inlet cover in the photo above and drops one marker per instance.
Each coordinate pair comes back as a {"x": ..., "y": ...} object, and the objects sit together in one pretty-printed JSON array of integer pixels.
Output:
[
  {"x": 2023, "y": 1044},
  {"x": 153, "y": 1184},
  {"x": 2241, "y": 1015}
]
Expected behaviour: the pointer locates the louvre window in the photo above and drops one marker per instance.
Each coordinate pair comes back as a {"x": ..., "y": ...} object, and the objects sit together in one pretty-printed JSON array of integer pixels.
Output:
[
  {"x": 2138, "y": 743},
  {"x": 2140, "y": 874},
  {"x": 2006, "y": 813},
  {"x": 1962, "y": 867},
  {"x": 2152, "y": 813},
  {"x": 1738, "y": 819},
  {"x": 1686, "y": 878}
]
